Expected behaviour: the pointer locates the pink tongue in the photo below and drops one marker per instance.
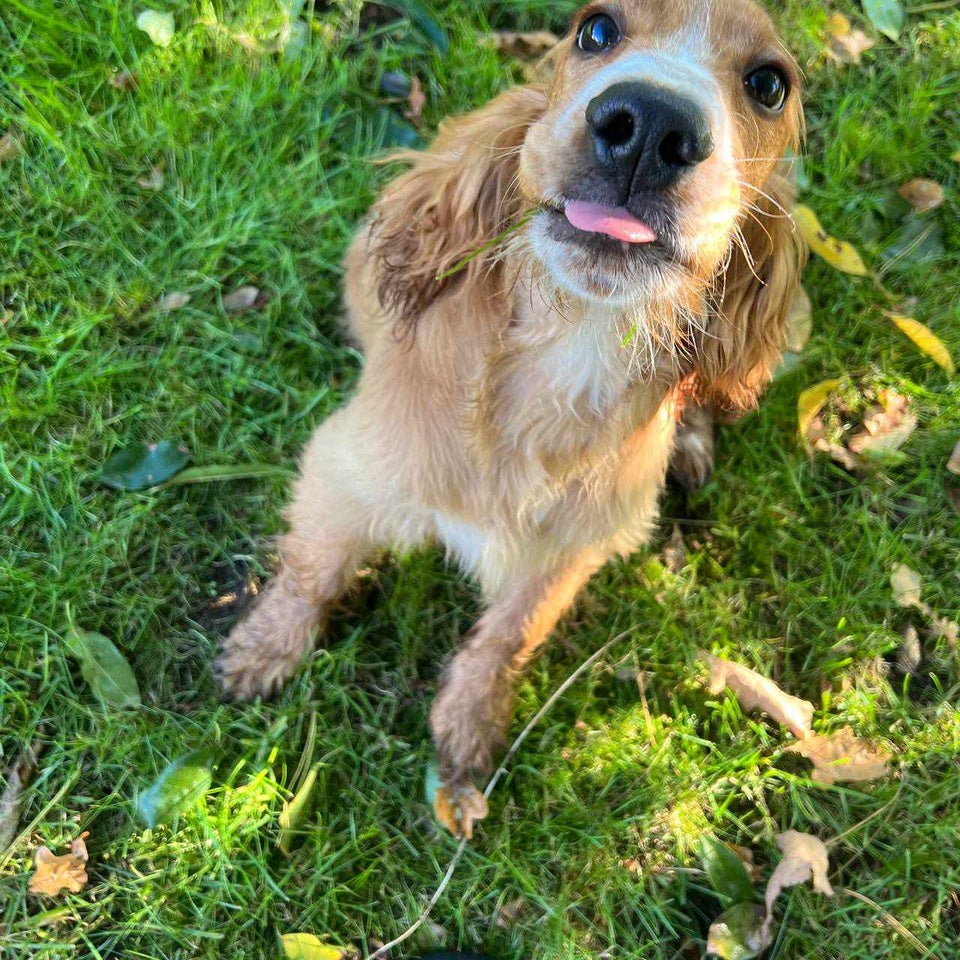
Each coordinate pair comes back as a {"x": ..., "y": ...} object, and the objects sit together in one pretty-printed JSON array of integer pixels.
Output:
[{"x": 615, "y": 222}]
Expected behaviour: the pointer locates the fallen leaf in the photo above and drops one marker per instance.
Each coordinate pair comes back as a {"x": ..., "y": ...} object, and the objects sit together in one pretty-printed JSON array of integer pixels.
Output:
[
  {"x": 153, "y": 180},
  {"x": 66, "y": 872},
  {"x": 524, "y": 45},
  {"x": 922, "y": 194},
  {"x": 846, "y": 44},
  {"x": 925, "y": 340},
  {"x": 804, "y": 856},
  {"x": 799, "y": 321},
  {"x": 157, "y": 25},
  {"x": 909, "y": 654},
  {"x": 754, "y": 690},
  {"x": 305, "y": 946},
  {"x": 421, "y": 17},
  {"x": 675, "y": 552},
  {"x": 888, "y": 16},
  {"x": 842, "y": 757},
  {"x": 104, "y": 668},
  {"x": 17, "y": 779},
  {"x": 9, "y": 147},
  {"x": 918, "y": 240},
  {"x": 243, "y": 298},
  {"x": 173, "y": 300},
  {"x": 906, "y": 584},
  {"x": 811, "y": 402},
  {"x": 295, "y": 812},
  {"x": 458, "y": 813},
  {"x": 124, "y": 80},
  {"x": 141, "y": 465},
  {"x": 178, "y": 788},
  {"x": 395, "y": 84},
  {"x": 885, "y": 428},
  {"x": 839, "y": 254},
  {"x": 416, "y": 100},
  {"x": 507, "y": 914},
  {"x": 739, "y": 933},
  {"x": 953, "y": 464},
  {"x": 725, "y": 870}
]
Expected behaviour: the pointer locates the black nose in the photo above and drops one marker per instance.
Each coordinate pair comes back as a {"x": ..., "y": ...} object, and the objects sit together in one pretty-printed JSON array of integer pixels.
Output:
[{"x": 646, "y": 136}]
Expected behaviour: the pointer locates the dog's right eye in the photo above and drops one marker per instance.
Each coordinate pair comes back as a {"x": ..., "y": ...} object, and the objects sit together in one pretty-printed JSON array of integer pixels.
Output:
[{"x": 598, "y": 34}]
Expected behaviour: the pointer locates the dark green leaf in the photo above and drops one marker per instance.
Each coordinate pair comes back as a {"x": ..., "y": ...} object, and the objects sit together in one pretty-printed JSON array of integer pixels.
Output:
[
  {"x": 104, "y": 668},
  {"x": 392, "y": 131},
  {"x": 232, "y": 471},
  {"x": 738, "y": 934},
  {"x": 888, "y": 16},
  {"x": 395, "y": 84},
  {"x": 142, "y": 465},
  {"x": 424, "y": 20},
  {"x": 919, "y": 240},
  {"x": 182, "y": 783},
  {"x": 295, "y": 812},
  {"x": 725, "y": 871}
]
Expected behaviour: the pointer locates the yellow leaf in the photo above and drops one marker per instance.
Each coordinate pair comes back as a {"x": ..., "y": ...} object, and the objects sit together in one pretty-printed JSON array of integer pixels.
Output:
[
  {"x": 305, "y": 946},
  {"x": 925, "y": 339},
  {"x": 846, "y": 45},
  {"x": 810, "y": 403},
  {"x": 838, "y": 253}
]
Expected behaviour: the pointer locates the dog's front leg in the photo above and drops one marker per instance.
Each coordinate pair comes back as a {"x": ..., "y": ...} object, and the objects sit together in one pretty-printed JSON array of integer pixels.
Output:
[{"x": 472, "y": 711}]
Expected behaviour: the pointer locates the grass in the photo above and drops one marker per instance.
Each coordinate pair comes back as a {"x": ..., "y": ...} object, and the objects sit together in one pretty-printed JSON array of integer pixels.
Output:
[{"x": 265, "y": 176}]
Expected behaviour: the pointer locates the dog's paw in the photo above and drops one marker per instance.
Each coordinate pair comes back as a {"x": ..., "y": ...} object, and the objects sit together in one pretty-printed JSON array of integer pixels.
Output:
[
  {"x": 247, "y": 667},
  {"x": 459, "y": 806},
  {"x": 691, "y": 464}
]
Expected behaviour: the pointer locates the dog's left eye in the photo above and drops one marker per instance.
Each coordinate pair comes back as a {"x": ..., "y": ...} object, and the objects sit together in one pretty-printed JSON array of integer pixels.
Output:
[
  {"x": 598, "y": 33},
  {"x": 768, "y": 86}
]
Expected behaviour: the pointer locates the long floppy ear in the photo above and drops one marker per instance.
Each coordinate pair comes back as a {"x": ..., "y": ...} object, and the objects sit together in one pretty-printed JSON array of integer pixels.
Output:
[
  {"x": 748, "y": 329},
  {"x": 459, "y": 194}
]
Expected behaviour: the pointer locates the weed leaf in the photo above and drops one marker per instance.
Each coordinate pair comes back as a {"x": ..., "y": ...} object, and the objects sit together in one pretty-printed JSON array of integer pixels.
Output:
[
  {"x": 738, "y": 933},
  {"x": 888, "y": 16},
  {"x": 178, "y": 788},
  {"x": 104, "y": 668},
  {"x": 296, "y": 811},
  {"x": 141, "y": 465},
  {"x": 926, "y": 340},
  {"x": 305, "y": 946},
  {"x": 725, "y": 871}
]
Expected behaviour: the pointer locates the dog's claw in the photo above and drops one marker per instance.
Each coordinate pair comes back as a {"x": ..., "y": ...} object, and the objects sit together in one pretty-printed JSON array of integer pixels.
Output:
[{"x": 458, "y": 807}]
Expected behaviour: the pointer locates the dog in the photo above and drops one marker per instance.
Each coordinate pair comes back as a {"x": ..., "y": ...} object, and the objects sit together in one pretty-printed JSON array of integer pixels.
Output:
[{"x": 550, "y": 302}]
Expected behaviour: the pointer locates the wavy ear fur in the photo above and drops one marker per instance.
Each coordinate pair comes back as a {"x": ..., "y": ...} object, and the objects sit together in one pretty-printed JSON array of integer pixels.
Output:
[
  {"x": 458, "y": 195},
  {"x": 746, "y": 336}
]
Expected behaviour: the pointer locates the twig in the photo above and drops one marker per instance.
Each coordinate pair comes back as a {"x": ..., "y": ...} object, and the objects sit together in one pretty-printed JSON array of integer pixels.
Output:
[
  {"x": 494, "y": 780},
  {"x": 889, "y": 918}
]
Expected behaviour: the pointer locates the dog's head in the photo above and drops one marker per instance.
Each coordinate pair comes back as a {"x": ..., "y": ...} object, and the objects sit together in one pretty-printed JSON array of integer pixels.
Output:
[{"x": 648, "y": 170}]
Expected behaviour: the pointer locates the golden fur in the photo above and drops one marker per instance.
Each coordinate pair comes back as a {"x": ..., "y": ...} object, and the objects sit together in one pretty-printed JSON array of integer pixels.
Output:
[{"x": 522, "y": 411}]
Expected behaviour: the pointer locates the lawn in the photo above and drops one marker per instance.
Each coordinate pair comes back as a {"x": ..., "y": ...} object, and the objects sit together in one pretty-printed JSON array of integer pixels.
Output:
[{"x": 591, "y": 847}]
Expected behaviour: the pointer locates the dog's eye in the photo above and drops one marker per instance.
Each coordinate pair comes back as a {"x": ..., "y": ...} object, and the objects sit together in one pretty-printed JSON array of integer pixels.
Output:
[
  {"x": 598, "y": 34},
  {"x": 768, "y": 86}
]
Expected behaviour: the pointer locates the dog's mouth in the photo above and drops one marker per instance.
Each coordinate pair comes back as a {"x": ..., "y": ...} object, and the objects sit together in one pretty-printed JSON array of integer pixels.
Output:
[{"x": 613, "y": 233}]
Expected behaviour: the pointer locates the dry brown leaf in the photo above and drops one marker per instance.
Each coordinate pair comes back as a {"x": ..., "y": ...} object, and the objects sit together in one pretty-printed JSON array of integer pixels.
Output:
[
  {"x": 842, "y": 757},
  {"x": 953, "y": 464},
  {"x": 173, "y": 300},
  {"x": 906, "y": 583},
  {"x": 243, "y": 298},
  {"x": 909, "y": 654},
  {"x": 524, "y": 46},
  {"x": 153, "y": 180},
  {"x": 804, "y": 857},
  {"x": 846, "y": 44},
  {"x": 416, "y": 100},
  {"x": 675, "y": 552},
  {"x": 9, "y": 147},
  {"x": 66, "y": 872},
  {"x": 922, "y": 194},
  {"x": 18, "y": 778},
  {"x": 124, "y": 80},
  {"x": 754, "y": 690},
  {"x": 886, "y": 427},
  {"x": 508, "y": 914}
]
